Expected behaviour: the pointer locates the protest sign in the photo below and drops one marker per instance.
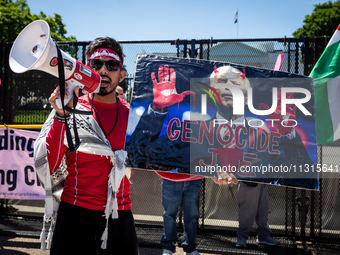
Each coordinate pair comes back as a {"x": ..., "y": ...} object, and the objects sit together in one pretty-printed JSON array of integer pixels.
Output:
[
  {"x": 18, "y": 177},
  {"x": 216, "y": 119}
]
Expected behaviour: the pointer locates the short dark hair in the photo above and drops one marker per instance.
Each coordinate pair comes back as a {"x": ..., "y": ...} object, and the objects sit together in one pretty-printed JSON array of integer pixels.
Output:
[
  {"x": 105, "y": 42},
  {"x": 123, "y": 85}
]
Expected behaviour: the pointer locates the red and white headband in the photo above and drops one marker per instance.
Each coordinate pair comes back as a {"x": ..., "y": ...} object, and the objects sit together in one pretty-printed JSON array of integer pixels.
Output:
[{"x": 104, "y": 53}]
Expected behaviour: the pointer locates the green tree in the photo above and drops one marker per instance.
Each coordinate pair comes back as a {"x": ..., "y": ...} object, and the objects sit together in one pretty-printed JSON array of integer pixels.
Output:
[
  {"x": 324, "y": 19},
  {"x": 16, "y": 15},
  {"x": 33, "y": 86}
]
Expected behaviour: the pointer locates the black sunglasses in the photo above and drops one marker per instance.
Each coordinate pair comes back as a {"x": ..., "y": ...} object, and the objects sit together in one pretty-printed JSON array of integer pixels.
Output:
[{"x": 111, "y": 65}]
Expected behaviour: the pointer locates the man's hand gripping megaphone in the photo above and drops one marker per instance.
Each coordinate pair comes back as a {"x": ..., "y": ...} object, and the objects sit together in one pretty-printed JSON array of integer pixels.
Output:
[{"x": 56, "y": 95}]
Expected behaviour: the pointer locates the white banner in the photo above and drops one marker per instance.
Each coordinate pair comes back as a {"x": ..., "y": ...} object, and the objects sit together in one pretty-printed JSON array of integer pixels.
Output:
[{"x": 18, "y": 178}]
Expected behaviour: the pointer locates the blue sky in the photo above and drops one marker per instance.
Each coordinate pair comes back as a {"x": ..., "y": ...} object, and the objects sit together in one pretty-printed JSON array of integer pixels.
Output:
[{"x": 183, "y": 19}]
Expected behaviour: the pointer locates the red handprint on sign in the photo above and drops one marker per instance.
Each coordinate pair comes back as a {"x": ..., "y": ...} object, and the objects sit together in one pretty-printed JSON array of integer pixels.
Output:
[
  {"x": 288, "y": 119},
  {"x": 164, "y": 91}
]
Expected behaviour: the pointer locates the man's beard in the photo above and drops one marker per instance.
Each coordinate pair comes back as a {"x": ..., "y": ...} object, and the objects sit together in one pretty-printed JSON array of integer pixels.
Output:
[{"x": 103, "y": 92}]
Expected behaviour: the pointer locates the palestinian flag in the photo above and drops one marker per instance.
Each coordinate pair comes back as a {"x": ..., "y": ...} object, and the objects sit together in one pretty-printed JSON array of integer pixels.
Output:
[{"x": 326, "y": 79}]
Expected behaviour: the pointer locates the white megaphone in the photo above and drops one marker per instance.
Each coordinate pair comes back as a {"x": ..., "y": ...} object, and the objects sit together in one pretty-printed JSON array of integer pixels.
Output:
[{"x": 34, "y": 49}]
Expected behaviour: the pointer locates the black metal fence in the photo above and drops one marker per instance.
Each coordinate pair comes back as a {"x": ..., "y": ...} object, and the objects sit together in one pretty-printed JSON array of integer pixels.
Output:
[{"x": 293, "y": 212}]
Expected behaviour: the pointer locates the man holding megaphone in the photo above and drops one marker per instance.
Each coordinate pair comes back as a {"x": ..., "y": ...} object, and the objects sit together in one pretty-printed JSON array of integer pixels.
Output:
[{"x": 96, "y": 186}]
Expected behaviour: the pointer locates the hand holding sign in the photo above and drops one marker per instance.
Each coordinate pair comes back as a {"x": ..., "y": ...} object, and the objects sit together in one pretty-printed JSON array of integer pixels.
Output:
[
  {"x": 164, "y": 91},
  {"x": 230, "y": 159}
]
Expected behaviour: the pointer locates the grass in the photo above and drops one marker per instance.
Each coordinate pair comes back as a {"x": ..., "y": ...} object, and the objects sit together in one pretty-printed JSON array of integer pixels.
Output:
[{"x": 31, "y": 117}]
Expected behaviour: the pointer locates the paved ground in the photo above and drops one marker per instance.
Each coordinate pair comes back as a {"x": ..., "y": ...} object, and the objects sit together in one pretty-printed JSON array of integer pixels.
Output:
[
  {"x": 10, "y": 245},
  {"x": 20, "y": 236}
]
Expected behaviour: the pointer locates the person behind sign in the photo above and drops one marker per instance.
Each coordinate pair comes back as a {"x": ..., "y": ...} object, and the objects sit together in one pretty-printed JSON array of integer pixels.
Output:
[
  {"x": 84, "y": 224},
  {"x": 253, "y": 204},
  {"x": 120, "y": 92},
  {"x": 175, "y": 189},
  {"x": 253, "y": 200}
]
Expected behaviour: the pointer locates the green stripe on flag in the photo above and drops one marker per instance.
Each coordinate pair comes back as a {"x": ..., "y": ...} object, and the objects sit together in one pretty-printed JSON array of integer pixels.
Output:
[
  {"x": 328, "y": 65},
  {"x": 327, "y": 68}
]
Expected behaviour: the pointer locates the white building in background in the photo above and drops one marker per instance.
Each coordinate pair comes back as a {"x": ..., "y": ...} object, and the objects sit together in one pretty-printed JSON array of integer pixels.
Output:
[
  {"x": 236, "y": 52},
  {"x": 261, "y": 55}
]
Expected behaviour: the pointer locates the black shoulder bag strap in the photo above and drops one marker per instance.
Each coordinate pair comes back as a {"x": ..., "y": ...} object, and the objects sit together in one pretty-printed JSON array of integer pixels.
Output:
[{"x": 72, "y": 147}]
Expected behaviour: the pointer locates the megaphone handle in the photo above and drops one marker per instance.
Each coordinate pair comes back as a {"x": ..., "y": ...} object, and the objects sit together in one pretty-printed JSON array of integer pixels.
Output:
[{"x": 66, "y": 100}]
